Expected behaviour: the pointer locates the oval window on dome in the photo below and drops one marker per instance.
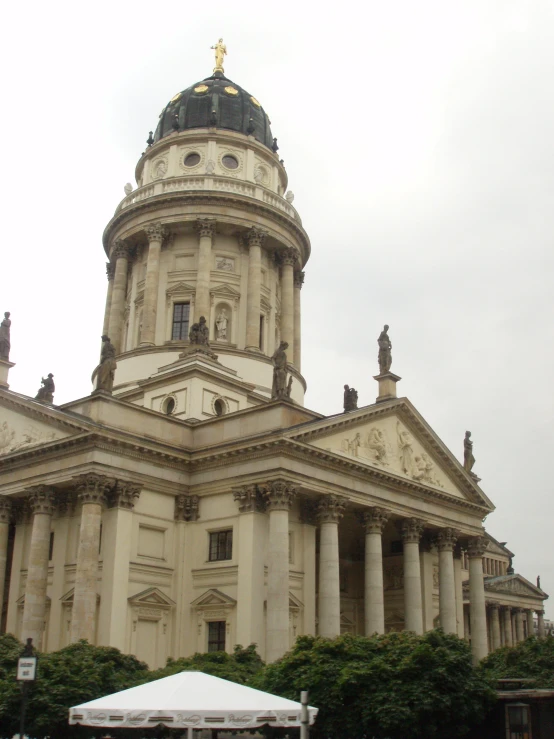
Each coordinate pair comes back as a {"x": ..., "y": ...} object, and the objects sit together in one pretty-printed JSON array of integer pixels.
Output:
[
  {"x": 169, "y": 406},
  {"x": 230, "y": 162},
  {"x": 191, "y": 160}
]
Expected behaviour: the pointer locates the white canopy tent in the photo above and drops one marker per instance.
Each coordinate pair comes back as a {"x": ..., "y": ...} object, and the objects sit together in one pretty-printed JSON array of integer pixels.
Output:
[{"x": 190, "y": 700}]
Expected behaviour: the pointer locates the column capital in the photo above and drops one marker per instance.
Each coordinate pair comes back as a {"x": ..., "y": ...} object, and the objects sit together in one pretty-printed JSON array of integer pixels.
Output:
[
  {"x": 374, "y": 520},
  {"x": 121, "y": 250},
  {"x": 186, "y": 507},
  {"x": 411, "y": 529},
  {"x": 538, "y": 611},
  {"x": 446, "y": 539},
  {"x": 249, "y": 499},
  {"x": 92, "y": 488},
  {"x": 279, "y": 494},
  {"x": 518, "y": 611},
  {"x": 5, "y": 509},
  {"x": 110, "y": 271},
  {"x": 255, "y": 236},
  {"x": 155, "y": 232},
  {"x": 289, "y": 256},
  {"x": 124, "y": 495},
  {"x": 299, "y": 279},
  {"x": 330, "y": 508},
  {"x": 476, "y": 546},
  {"x": 492, "y": 604},
  {"x": 42, "y": 499},
  {"x": 205, "y": 227}
]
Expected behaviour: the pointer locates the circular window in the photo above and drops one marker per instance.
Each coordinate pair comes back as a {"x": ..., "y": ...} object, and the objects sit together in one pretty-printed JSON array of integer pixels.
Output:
[
  {"x": 230, "y": 161},
  {"x": 219, "y": 407},
  {"x": 169, "y": 406},
  {"x": 191, "y": 160}
]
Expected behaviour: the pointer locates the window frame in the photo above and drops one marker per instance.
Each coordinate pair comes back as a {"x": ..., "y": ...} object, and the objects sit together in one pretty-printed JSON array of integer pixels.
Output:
[
  {"x": 221, "y": 637},
  {"x": 220, "y": 544},
  {"x": 177, "y": 304}
]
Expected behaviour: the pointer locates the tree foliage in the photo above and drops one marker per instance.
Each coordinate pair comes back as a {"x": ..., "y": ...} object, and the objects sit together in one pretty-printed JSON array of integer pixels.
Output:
[
  {"x": 530, "y": 659},
  {"x": 239, "y": 667},
  {"x": 394, "y": 686}
]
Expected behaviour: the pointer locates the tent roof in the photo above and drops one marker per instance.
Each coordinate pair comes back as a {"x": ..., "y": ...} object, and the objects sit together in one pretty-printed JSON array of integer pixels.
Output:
[{"x": 190, "y": 699}]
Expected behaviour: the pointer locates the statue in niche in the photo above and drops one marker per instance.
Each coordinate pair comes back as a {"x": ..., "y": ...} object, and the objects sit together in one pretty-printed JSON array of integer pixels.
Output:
[
  {"x": 221, "y": 324},
  {"x": 376, "y": 442},
  {"x": 199, "y": 332},
  {"x": 5, "y": 337},
  {"x": 105, "y": 372},
  {"x": 385, "y": 351},
  {"x": 405, "y": 451},
  {"x": 469, "y": 459},
  {"x": 46, "y": 392},
  {"x": 280, "y": 388},
  {"x": 350, "y": 399}
]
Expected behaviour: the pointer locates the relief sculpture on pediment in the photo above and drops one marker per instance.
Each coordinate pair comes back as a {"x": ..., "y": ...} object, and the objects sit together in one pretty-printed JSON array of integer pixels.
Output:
[
  {"x": 10, "y": 441},
  {"x": 372, "y": 446}
]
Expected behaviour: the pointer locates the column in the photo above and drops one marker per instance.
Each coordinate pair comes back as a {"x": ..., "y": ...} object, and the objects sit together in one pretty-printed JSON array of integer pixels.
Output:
[
  {"x": 542, "y": 631},
  {"x": 155, "y": 233},
  {"x": 110, "y": 272},
  {"x": 278, "y": 495},
  {"x": 117, "y": 531},
  {"x": 119, "y": 291},
  {"x": 205, "y": 228},
  {"x": 412, "y": 529},
  {"x": 495, "y": 626},
  {"x": 477, "y": 609},
  {"x": 91, "y": 491},
  {"x": 330, "y": 510},
  {"x": 519, "y": 625},
  {"x": 467, "y": 629},
  {"x": 288, "y": 260},
  {"x": 446, "y": 541},
  {"x": 255, "y": 238},
  {"x": 458, "y": 585},
  {"x": 251, "y": 543},
  {"x": 427, "y": 552},
  {"x": 5, "y": 513},
  {"x": 375, "y": 520},
  {"x": 298, "y": 282},
  {"x": 308, "y": 511},
  {"x": 507, "y": 626},
  {"x": 530, "y": 623},
  {"x": 41, "y": 501}
]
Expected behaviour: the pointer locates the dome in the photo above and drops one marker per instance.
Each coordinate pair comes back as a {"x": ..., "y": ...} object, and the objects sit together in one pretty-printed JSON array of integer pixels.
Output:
[{"x": 215, "y": 102}]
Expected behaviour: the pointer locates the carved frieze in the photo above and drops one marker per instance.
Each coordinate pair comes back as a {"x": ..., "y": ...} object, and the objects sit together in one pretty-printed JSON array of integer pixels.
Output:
[
  {"x": 249, "y": 499},
  {"x": 278, "y": 495},
  {"x": 411, "y": 529},
  {"x": 186, "y": 507},
  {"x": 330, "y": 508}
]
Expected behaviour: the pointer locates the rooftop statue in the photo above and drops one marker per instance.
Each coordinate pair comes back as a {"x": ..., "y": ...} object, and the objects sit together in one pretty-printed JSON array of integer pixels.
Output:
[
  {"x": 220, "y": 52},
  {"x": 46, "y": 392},
  {"x": 350, "y": 399},
  {"x": 280, "y": 389},
  {"x": 5, "y": 337},
  {"x": 385, "y": 351},
  {"x": 199, "y": 332},
  {"x": 469, "y": 459},
  {"x": 105, "y": 371}
]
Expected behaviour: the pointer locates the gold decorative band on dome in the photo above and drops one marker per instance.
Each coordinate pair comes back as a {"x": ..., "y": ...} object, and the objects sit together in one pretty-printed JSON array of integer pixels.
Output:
[
  {"x": 201, "y": 88},
  {"x": 231, "y": 90},
  {"x": 256, "y": 103}
]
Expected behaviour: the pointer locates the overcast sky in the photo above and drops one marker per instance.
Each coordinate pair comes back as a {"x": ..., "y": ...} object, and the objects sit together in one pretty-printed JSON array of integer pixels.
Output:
[{"x": 418, "y": 138}]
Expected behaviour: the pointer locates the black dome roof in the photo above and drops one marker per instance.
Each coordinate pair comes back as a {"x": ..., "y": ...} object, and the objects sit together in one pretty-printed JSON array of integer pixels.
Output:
[{"x": 215, "y": 102}]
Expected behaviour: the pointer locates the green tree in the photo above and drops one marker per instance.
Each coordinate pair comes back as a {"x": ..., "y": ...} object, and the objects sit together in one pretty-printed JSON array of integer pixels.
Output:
[
  {"x": 397, "y": 685},
  {"x": 530, "y": 659},
  {"x": 240, "y": 667}
]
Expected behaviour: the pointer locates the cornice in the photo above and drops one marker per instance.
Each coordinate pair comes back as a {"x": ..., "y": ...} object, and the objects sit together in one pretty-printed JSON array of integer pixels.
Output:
[{"x": 52, "y": 415}]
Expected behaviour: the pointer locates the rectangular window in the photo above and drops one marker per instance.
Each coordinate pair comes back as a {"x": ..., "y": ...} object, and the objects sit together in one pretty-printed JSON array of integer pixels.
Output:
[
  {"x": 51, "y": 547},
  {"x": 216, "y": 636},
  {"x": 181, "y": 316},
  {"x": 221, "y": 545}
]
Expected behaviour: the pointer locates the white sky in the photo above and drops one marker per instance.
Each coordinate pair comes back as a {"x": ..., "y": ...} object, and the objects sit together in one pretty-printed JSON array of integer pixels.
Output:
[{"x": 418, "y": 141}]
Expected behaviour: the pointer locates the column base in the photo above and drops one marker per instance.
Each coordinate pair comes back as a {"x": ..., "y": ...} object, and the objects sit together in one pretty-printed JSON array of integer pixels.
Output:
[
  {"x": 387, "y": 386},
  {"x": 146, "y": 343},
  {"x": 253, "y": 349},
  {"x": 5, "y": 366}
]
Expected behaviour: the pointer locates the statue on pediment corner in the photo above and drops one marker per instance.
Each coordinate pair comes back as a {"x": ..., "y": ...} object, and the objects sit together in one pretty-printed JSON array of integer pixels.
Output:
[
  {"x": 5, "y": 336},
  {"x": 47, "y": 389},
  {"x": 350, "y": 399},
  {"x": 469, "y": 459},
  {"x": 385, "y": 351}
]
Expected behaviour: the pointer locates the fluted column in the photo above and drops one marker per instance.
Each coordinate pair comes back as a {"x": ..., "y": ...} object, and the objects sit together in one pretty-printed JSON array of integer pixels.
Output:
[
  {"x": 530, "y": 623},
  {"x": 330, "y": 510},
  {"x": 205, "y": 228},
  {"x": 375, "y": 520},
  {"x": 519, "y": 625},
  {"x": 119, "y": 290},
  {"x": 5, "y": 513},
  {"x": 541, "y": 629},
  {"x": 507, "y": 626},
  {"x": 155, "y": 233},
  {"x": 477, "y": 608},
  {"x": 411, "y": 530},
  {"x": 41, "y": 501},
  {"x": 91, "y": 490},
  {"x": 446, "y": 540},
  {"x": 110, "y": 272},
  {"x": 298, "y": 282},
  {"x": 255, "y": 238},
  {"x": 288, "y": 258},
  {"x": 496, "y": 641},
  {"x": 279, "y": 496}
]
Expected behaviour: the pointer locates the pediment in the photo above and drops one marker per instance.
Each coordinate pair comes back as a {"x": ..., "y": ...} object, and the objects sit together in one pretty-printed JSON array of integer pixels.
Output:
[
  {"x": 21, "y": 601},
  {"x": 497, "y": 548},
  {"x": 151, "y": 597},
  {"x": 513, "y": 584},
  {"x": 67, "y": 599},
  {"x": 294, "y": 603},
  {"x": 180, "y": 288},
  {"x": 225, "y": 290},
  {"x": 26, "y": 423},
  {"x": 393, "y": 438},
  {"x": 213, "y": 598}
]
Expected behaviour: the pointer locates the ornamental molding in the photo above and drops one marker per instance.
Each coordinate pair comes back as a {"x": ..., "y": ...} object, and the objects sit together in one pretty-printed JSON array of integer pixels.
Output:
[{"x": 186, "y": 507}]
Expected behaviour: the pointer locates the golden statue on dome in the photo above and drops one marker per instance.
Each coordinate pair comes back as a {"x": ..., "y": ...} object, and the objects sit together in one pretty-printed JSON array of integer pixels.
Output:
[{"x": 220, "y": 52}]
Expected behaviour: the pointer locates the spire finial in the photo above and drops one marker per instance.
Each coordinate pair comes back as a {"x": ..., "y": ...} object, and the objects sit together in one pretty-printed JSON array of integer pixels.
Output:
[{"x": 220, "y": 52}]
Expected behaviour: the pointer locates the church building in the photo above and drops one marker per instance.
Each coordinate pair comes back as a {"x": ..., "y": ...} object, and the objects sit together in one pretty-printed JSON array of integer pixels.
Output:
[{"x": 191, "y": 502}]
